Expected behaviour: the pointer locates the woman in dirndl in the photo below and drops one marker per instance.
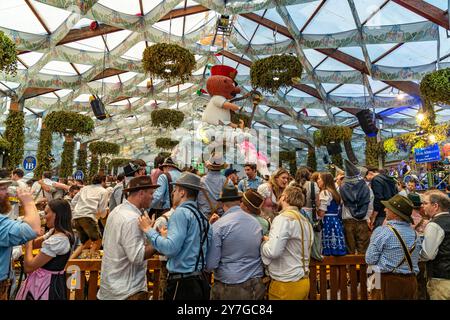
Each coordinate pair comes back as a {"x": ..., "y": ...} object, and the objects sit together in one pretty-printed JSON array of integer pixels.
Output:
[
  {"x": 46, "y": 271},
  {"x": 333, "y": 239}
]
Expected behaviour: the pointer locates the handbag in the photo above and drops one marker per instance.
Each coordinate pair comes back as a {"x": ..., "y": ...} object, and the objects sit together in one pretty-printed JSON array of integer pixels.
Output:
[{"x": 317, "y": 224}]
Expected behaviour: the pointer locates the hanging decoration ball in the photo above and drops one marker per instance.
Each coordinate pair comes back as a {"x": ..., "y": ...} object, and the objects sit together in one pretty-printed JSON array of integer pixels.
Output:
[
  {"x": 169, "y": 62},
  {"x": 275, "y": 72},
  {"x": 8, "y": 55}
]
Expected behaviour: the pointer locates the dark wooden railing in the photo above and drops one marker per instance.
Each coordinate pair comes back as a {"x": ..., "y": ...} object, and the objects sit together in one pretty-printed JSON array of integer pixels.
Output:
[
  {"x": 338, "y": 278},
  {"x": 334, "y": 278},
  {"x": 90, "y": 272}
]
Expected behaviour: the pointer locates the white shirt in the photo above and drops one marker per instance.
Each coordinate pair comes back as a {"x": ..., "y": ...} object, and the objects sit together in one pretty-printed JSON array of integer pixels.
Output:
[
  {"x": 325, "y": 198},
  {"x": 214, "y": 111},
  {"x": 14, "y": 213},
  {"x": 282, "y": 253},
  {"x": 265, "y": 190},
  {"x": 90, "y": 200},
  {"x": 347, "y": 215},
  {"x": 433, "y": 237},
  {"x": 123, "y": 270}
]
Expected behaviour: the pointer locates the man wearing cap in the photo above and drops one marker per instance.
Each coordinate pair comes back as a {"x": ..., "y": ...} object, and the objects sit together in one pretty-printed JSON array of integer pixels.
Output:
[
  {"x": 14, "y": 233},
  {"x": 185, "y": 243},
  {"x": 232, "y": 177},
  {"x": 234, "y": 252},
  {"x": 212, "y": 184},
  {"x": 162, "y": 201},
  {"x": 124, "y": 265},
  {"x": 357, "y": 207},
  {"x": 394, "y": 251},
  {"x": 436, "y": 244},
  {"x": 251, "y": 181},
  {"x": 251, "y": 203},
  {"x": 287, "y": 250}
]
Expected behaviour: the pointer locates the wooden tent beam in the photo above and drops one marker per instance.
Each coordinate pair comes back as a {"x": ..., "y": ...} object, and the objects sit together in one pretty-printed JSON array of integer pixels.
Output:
[{"x": 426, "y": 10}]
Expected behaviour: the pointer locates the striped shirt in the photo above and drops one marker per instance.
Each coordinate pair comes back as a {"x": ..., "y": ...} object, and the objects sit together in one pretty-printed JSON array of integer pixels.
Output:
[{"x": 385, "y": 250}]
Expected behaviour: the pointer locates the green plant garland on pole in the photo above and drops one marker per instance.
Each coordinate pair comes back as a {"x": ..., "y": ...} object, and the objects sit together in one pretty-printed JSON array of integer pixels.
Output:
[
  {"x": 14, "y": 133},
  {"x": 311, "y": 160},
  {"x": 69, "y": 124},
  {"x": 4, "y": 145},
  {"x": 374, "y": 149},
  {"x": 114, "y": 164},
  {"x": 67, "y": 157},
  {"x": 82, "y": 160},
  {"x": 44, "y": 151},
  {"x": 93, "y": 169}
]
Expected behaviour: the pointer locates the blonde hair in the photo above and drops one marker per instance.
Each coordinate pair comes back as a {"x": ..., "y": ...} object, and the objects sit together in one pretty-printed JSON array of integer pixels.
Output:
[
  {"x": 294, "y": 196},
  {"x": 272, "y": 181}
]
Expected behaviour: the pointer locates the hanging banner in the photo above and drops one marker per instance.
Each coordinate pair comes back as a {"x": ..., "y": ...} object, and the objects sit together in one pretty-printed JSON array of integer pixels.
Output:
[{"x": 428, "y": 154}]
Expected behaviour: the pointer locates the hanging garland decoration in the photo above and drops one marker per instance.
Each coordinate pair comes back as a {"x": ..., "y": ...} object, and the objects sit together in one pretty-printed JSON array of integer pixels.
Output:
[
  {"x": 14, "y": 133},
  {"x": 4, "y": 145},
  {"x": 169, "y": 62},
  {"x": 104, "y": 164},
  {"x": 103, "y": 147},
  {"x": 327, "y": 135},
  {"x": 44, "y": 152},
  {"x": 166, "y": 143},
  {"x": 373, "y": 150},
  {"x": 311, "y": 160},
  {"x": 67, "y": 156},
  {"x": 82, "y": 160},
  {"x": 8, "y": 55},
  {"x": 67, "y": 122},
  {"x": 167, "y": 118},
  {"x": 275, "y": 72},
  {"x": 413, "y": 140},
  {"x": 434, "y": 88}
]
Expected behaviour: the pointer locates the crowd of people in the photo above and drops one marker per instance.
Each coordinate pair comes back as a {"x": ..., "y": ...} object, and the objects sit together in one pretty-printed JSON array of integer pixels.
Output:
[{"x": 257, "y": 235}]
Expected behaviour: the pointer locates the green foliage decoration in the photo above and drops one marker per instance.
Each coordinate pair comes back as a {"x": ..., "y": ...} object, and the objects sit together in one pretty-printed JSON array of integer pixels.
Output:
[
  {"x": 103, "y": 147},
  {"x": 390, "y": 145},
  {"x": 66, "y": 168},
  {"x": 4, "y": 145},
  {"x": 435, "y": 87},
  {"x": 166, "y": 143},
  {"x": 311, "y": 160},
  {"x": 93, "y": 169},
  {"x": 291, "y": 158},
  {"x": 82, "y": 160},
  {"x": 69, "y": 122},
  {"x": 275, "y": 72},
  {"x": 329, "y": 134},
  {"x": 165, "y": 154},
  {"x": 14, "y": 133},
  {"x": 8, "y": 55},
  {"x": 159, "y": 58},
  {"x": 104, "y": 164},
  {"x": 117, "y": 162},
  {"x": 167, "y": 118},
  {"x": 373, "y": 150},
  {"x": 43, "y": 153}
]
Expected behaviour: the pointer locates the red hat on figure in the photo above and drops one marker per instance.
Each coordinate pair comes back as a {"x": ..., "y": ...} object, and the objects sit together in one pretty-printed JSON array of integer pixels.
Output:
[{"x": 222, "y": 70}]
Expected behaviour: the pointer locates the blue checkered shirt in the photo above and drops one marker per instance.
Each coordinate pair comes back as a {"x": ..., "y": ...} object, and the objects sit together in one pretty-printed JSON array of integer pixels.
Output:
[{"x": 385, "y": 250}]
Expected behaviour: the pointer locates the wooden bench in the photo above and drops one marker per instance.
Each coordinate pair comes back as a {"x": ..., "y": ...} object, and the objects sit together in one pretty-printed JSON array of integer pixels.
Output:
[
  {"x": 338, "y": 278},
  {"x": 90, "y": 276}
]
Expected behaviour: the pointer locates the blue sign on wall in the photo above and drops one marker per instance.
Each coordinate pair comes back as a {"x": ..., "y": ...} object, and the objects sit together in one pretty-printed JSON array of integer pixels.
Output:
[
  {"x": 29, "y": 163},
  {"x": 78, "y": 175},
  {"x": 428, "y": 154}
]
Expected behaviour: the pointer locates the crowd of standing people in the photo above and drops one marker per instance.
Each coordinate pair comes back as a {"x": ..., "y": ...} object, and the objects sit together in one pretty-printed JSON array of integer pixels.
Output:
[{"x": 257, "y": 235}]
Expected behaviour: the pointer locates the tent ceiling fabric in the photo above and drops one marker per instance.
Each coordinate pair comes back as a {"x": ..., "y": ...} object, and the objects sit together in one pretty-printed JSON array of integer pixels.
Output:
[{"x": 356, "y": 55}]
